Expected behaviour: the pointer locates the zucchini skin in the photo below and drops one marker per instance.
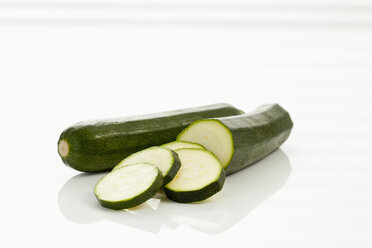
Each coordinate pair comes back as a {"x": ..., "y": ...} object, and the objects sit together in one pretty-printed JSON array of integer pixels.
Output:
[
  {"x": 256, "y": 134},
  {"x": 95, "y": 146},
  {"x": 196, "y": 195},
  {"x": 137, "y": 200},
  {"x": 174, "y": 169}
]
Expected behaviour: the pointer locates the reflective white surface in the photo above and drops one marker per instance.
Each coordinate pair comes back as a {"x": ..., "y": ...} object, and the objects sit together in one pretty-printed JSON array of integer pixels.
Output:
[
  {"x": 242, "y": 193},
  {"x": 315, "y": 191}
]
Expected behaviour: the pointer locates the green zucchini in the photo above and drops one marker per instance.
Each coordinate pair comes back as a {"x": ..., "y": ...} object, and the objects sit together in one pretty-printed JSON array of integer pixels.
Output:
[
  {"x": 201, "y": 176},
  {"x": 129, "y": 186},
  {"x": 182, "y": 144},
  {"x": 239, "y": 141},
  {"x": 93, "y": 146},
  {"x": 165, "y": 159}
]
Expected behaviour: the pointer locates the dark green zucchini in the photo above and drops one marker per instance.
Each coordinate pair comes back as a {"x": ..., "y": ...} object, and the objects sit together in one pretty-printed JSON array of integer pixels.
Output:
[
  {"x": 239, "y": 141},
  {"x": 100, "y": 145}
]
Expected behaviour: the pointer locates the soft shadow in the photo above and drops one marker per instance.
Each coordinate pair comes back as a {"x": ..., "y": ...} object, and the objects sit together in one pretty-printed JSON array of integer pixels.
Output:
[
  {"x": 242, "y": 192},
  {"x": 77, "y": 203}
]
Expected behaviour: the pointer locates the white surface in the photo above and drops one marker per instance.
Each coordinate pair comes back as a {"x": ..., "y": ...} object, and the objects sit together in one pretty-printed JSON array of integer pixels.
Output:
[{"x": 316, "y": 191}]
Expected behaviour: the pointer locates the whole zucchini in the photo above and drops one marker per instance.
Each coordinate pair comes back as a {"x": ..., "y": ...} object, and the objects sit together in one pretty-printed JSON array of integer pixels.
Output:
[{"x": 93, "y": 146}]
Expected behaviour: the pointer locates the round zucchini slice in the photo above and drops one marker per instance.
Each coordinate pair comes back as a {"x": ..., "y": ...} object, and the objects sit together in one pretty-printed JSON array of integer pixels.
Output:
[
  {"x": 165, "y": 159},
  {"x": 128, "y": 186},
  {"x": 214, "y": 136},
  {"x": 182, "y": 144},
  {"x": 201, "y": 176}
]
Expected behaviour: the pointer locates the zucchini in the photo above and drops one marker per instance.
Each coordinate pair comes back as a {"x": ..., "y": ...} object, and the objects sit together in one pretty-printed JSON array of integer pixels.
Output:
[
  {"x": 93, "y": 146},
  {"x": 165, "y": 159},
  {"x": 128, "y": 186},
  {"x": 201, "y": 176},
  {"x": 182, "y": 144},
  {"x": 239, "y": 141}
]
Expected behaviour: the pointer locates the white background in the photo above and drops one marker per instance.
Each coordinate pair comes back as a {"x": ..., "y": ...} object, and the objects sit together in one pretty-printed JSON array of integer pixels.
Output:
[{"x": 62, "y": 62}]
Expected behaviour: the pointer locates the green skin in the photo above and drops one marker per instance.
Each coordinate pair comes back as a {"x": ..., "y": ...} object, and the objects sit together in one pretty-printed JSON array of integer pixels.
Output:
[
  {"x": 136, "y": 200},
  {"x": 255, "y": 135},
  {"x": 176, "y": 165},
  {"x": 173, "y": 170},
  {"x": 197, "y": 195},
  {"x": 100, "y": 145}
]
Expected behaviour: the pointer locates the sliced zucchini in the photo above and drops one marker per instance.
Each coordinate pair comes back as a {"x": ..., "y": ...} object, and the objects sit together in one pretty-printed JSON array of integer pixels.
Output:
[
  {"x": 214, "y": 136},
  {"x": 201, "y": 176},
  {"x": 129, "y": 186},
  {"x": 182, "y": 144},
  {"x": 239, "y": 141},
  {"x": 165, "y": 159}
]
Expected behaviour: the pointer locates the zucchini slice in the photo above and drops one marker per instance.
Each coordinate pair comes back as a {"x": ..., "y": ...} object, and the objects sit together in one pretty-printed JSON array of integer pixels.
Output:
[
  {"x": 182, "y": 144},
  {"x": 92, "y": 146},
  {"x": 128, "y": 186},
  {"x": 239, "y": 141},
  {"x": 201, "y": 176},
  {"x": 165, "y": 159}
]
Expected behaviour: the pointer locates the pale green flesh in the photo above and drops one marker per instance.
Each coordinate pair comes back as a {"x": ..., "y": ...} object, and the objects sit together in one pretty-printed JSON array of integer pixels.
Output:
[
  {"x": 199, "y": 168},
  {"x": 126, "y": 183},
  {"x": 160, "y": 156},
  {"x": 175, "y": 145},
  {"x": 213, "y": 135}
]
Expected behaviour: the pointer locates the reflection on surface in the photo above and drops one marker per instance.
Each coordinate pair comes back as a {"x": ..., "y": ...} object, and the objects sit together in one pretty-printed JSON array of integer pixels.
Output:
[{"x": 242, "y": 192}]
